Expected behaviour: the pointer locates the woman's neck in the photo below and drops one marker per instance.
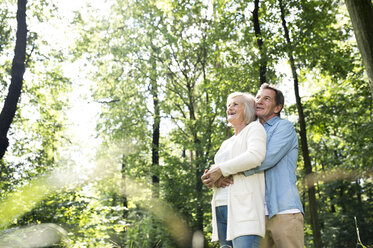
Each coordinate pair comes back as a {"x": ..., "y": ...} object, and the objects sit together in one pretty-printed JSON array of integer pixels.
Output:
[{"x": 238, "y": 128}]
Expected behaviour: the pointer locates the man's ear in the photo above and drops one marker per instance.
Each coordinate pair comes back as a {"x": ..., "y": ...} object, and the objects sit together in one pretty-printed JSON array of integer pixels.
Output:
[{"x": 278, "y": 109}]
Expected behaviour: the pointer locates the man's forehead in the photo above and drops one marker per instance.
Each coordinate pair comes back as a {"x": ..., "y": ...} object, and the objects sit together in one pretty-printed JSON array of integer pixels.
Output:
[{"x": 266, "y": 92}]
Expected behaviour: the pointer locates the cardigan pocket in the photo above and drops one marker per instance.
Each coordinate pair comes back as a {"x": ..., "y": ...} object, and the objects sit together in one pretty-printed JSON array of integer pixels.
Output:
[{"x": 242, "y": 207}]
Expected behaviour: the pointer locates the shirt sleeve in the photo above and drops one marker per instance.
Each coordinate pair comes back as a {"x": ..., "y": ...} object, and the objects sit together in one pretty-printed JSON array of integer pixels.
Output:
[
  {"x": 282, "y": 140},
  {"x": 252, "y": 157}
]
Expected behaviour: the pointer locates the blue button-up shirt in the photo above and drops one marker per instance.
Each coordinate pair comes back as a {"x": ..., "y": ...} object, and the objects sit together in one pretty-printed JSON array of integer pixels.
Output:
[{"x": 279, "y": 165}]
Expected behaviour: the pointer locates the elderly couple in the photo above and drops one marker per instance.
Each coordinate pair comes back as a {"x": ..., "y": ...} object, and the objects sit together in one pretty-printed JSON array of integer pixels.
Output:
[{"x": 254, "y": 182}]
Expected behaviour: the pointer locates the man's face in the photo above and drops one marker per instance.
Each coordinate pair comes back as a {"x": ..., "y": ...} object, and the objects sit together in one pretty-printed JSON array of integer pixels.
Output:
[{"x": 265, "y": 106}]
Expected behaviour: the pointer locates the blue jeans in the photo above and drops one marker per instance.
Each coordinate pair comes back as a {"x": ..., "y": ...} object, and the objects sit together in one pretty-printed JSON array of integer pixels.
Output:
[{"x": 247, "y": 241}]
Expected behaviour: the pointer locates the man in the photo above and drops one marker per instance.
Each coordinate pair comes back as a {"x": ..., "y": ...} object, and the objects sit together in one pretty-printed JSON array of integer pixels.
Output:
[
  {"x": 284, "y": 211},
  {"x": 284, "y": 215}
]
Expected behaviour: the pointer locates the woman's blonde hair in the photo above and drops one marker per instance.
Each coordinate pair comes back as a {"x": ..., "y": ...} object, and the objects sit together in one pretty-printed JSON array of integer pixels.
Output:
[{"x": 249, "y": 105}]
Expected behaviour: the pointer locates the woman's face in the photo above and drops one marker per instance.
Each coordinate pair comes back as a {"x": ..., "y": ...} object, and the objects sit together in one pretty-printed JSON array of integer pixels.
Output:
[{"x": 236, "y": 111}]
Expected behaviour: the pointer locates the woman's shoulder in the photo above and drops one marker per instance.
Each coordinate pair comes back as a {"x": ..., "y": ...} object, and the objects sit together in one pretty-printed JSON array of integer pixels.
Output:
[
  {"x": 227, "y": 141},
  {"x": 254, "y": 127}
]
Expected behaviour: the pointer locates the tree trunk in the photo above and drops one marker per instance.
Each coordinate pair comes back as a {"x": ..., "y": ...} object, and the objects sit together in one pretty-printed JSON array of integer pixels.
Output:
[
  {"x": 198, "y": 160},
  {"x": 156, "y": 133},
  {"x": 199, "y": 173},
  {"x": 259, "y": 41},
  {"x": 303, "y": 135},
  {"x": 342, "y": 197},
  {"x": 155, "y": 153},
  {"x": 15, "y": 87},
  {"x": 155, "y": 142},
  {"x": 156, "y": 130},
  {"x": 358, "y": 192},
  {"x": 361, "y": 14},
  {"x": 124, "y": 192}
]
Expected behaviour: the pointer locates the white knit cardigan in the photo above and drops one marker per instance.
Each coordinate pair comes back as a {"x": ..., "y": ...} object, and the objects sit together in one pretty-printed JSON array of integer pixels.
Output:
[{"x": 246, "y": 195}]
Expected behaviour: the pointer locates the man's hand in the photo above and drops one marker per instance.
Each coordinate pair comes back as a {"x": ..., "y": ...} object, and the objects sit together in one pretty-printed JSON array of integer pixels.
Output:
[
  {"x": 211, "y": 176},
  {"x": 223, "y": 182}
]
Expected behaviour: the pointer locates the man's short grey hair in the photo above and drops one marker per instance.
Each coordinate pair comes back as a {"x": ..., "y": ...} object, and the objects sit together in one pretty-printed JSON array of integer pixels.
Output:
[{"x": 249, "y": 103}]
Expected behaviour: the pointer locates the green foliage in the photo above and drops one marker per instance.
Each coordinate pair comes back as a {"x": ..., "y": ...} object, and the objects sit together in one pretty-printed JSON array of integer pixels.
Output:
[
  {"x": 142, "y": 227},
  {"x": 188, "y": 56},
  {"x": 340, "y": 137}
]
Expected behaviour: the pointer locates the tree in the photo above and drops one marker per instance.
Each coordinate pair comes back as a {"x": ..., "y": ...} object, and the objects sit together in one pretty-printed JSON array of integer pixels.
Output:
[
  {"x": 15, "y": 87},
  {"x": 303, "y": 133},
  {"x": 177, "y": 61},
  {"x": 186, "y": 92},
  {"x": 259, "y": 40},
  {"x": 361, "y": 13},
  {"x": 130, "y": 93},
  {"x": 340, "y": 134}
]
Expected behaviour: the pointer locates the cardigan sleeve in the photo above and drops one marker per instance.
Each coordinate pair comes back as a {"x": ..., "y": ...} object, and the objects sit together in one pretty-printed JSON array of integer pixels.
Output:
[{"x": 254, "y": 154}]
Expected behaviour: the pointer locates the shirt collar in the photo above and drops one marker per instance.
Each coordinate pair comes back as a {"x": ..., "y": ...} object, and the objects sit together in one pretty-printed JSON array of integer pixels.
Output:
[{"x": 272, "y": 121}]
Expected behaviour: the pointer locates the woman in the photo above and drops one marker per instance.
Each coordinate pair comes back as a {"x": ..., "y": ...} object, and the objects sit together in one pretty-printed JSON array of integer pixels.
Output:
[{"x": 238, "y": 210}]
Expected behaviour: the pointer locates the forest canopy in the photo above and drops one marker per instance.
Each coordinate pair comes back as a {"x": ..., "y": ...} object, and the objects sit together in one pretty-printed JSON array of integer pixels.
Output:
[{"x": 112, "y": 110}]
